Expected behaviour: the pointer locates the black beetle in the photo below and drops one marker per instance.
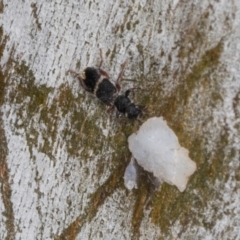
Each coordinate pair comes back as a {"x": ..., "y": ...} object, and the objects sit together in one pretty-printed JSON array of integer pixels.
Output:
[{"x": 97, "y": 82}]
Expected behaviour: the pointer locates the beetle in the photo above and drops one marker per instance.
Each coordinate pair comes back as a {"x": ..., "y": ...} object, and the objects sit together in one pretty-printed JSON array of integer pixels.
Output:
[
  {"x": 125, "y": 106},
  {"x": 97, "y": 81}
]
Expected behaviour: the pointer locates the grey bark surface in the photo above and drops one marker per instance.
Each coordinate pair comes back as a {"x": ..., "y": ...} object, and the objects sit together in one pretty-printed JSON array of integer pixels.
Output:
[{"x": 63, "y": 157}]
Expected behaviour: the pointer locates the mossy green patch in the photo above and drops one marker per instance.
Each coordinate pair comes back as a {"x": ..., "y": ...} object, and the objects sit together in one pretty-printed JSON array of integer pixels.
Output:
[
  {"x": 128, "y": 26},
  {"x": 26, "y": 88},
  {"x": 2, "y": 88},
  {"x": 97, "y": 199},
  {"x": 169, "y": 205},
  {"x": 113, "y": 53},
  {"x": 65, "y": 116},
  {"x": 135, "y": 24},
  {"x": 1, "y": 7},
  {"x": 6, "y": 191},
  {"x": 32, "y": 101},
  {"x": 3, "y": 41}
]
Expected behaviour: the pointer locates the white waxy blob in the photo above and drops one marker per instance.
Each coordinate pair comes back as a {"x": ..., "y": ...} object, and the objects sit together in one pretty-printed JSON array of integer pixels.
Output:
[
  {"x": 131, "y": 175},
  {"x": 156, "y": 148}
]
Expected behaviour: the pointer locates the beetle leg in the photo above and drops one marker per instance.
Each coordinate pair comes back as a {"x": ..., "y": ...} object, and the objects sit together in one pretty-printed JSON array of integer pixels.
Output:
[
  {"x": 110, "y": 108},
  {"x": 120, "y": 76},
  {"x": 104, "y": 73},
  {"x": 132, "y": 90},
  {"x": 74, "y": 73}
]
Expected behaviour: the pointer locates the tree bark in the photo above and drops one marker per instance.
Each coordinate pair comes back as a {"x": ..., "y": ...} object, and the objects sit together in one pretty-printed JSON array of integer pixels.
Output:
[{"x": 63, "y": 156}]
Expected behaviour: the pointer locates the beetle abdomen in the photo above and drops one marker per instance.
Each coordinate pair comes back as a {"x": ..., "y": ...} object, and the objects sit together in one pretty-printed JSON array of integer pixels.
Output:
[
  {"x": 106, "y": 91},
  {"x": 121, "y": 103}
]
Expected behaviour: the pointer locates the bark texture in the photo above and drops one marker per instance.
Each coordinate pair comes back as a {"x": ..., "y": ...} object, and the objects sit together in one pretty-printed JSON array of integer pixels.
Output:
[{"x": 62, "y": 157}]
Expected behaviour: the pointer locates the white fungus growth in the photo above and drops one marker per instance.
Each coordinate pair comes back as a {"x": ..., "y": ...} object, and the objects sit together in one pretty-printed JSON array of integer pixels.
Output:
[
  {"x": 131, "y": 175},
  {"x": 156, "y": 148}
]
